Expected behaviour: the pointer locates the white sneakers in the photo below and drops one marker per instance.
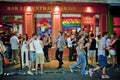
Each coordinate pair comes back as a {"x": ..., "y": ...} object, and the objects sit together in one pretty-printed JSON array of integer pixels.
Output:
[
  {"x": 90, "y": 72},
  {"x": 105, "y": 76},
  {"x": 30, "y": 73},
  {"x": 71, "y": 69}
]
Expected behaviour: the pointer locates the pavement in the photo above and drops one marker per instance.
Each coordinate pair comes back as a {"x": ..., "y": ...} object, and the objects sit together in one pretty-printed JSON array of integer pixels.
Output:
[{"x": 14, "y": 72}]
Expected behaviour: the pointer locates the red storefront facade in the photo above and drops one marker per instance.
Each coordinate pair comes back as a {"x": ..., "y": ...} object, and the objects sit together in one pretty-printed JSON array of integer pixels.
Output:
[{"x": 22, "y": 16}]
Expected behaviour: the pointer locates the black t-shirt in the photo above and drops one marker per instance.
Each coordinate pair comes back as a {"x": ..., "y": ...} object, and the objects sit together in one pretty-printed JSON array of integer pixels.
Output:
[{"x": 93, "y": 44}]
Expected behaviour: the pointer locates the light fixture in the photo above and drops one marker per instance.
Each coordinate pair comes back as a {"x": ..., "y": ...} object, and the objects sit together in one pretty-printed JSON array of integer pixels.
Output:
[{"x": 28, "y": 9}]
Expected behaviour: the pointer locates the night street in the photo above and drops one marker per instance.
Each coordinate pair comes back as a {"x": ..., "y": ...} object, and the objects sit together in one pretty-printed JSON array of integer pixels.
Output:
[{"x": 51, "y": 73}]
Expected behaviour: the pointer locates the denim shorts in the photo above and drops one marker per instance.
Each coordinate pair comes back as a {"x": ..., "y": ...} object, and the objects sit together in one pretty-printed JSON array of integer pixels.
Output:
[
  {"x": 32, "y": 56},
  {"x": 102, "y": 60}
]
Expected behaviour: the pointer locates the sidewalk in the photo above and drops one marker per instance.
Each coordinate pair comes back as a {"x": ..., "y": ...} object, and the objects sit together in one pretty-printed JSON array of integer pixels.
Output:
[{"x": 51, "y": 73}]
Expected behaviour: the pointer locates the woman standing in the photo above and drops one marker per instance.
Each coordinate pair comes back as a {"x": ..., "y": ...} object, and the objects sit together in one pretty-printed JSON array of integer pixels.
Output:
[
  {"x": 60, "y": 43},
  {"x": 24, "y": 49},
  {"x": 46, "y": 41},
  {"x": 112, "y": 48}
]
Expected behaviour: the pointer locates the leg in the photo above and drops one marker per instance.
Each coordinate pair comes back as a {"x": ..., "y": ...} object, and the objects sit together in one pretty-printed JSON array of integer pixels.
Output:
[
  {"x": 13, "y": 52},
  {"x": 41, "y": 66},
  {"x": 16, "y": 55},
  {"x": 83, "y": 64},
  {"x": 22, "y": 58},
  {"x": 113, "y": 60},
  {"x": 57, "y": 55},
  {"x": 36, "y": 66},
  {"x": 70, "y": 54},
  {"x": 61, "y": 55},
  {"x": 94, "y": 58},
  {"x": 46, "y": 52},
  {"x": 78, "y": 62},
  {"x": 26, "y": 54}
]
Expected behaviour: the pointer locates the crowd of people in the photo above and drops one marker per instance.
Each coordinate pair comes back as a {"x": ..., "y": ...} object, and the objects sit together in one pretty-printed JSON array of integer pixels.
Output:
[{"x": 83, "y": 48}]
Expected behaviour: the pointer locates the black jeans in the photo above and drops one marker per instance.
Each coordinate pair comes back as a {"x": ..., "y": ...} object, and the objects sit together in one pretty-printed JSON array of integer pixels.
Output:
[
  {"x": 46, "y": 52},
  {"x": 70, "y": 53},
  {"x": 58, "y": 56}
]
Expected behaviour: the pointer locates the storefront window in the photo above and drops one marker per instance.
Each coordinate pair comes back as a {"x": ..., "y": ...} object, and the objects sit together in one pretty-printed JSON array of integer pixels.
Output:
[
  {"x": 6, "y": 17},
  {"x": 43, "y": 24},
  {"x": 71, "y": 23},
  {"x": 17, "y": 17}
]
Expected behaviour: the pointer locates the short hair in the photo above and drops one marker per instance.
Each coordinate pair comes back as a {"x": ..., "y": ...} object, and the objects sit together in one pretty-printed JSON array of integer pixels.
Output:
[
  {"x": 92, "y": 35},
  {"x": 104, "y": 33},
  {"x": 34, "y": 34},
  {"x": 114, "y": 34},
  {"x": 61, "y": 32}
]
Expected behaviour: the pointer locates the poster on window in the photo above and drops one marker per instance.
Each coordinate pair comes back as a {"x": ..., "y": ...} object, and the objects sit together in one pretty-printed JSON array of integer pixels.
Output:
[{"x": 43, "y": 24}]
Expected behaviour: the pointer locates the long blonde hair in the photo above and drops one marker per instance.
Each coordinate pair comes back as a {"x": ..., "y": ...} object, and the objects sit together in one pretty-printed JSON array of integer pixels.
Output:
[{"x": 2, "y": 47}]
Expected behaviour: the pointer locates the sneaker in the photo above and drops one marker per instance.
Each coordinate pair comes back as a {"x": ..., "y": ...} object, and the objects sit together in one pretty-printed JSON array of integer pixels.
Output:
[
  {"x": 70, "y": 69},
  {"x": 91, "y": 72},
  {"x": 33, "y": 69},
  {"x": 105, "y": 76},
  {"x": 29, "y": 72},
  {"x": 86, "y": 72}
]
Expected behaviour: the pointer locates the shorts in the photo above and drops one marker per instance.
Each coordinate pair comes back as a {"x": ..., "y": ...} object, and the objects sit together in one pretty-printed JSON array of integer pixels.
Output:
[
  {"x": 92, "y": 53},
  {"x": 102, "y": 60},
  {"x": 112, "y": 52},
  {"x": 40, "y": 58},
  {"x": 32, "y": 56}
]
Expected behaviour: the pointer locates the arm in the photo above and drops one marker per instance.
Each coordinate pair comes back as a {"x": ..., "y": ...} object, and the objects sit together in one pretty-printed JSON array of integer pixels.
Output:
[{"x": 41, "y": 43}]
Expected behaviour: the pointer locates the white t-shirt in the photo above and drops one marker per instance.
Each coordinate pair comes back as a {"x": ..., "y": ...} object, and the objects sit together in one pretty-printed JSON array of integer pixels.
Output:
[
  {"x": 14, "y": 42},
  {"x": 24, "y": 46},
  {"x": 101, "y": 51},
  {"x": 69, "y": 42},
  {"x": 31, "y": 46},
  {"x": 38, "y": 47}
]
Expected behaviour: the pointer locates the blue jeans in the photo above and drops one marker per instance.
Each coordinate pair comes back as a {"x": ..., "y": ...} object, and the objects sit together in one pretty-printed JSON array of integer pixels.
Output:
[
  {"x": 81, "y": 59},
  {"x": 7, "y": 52}
]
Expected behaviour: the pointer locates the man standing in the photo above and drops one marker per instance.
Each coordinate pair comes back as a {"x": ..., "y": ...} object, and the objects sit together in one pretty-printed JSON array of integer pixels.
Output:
[
  {"x": 60, "y": 43},
  {"x": 92, "y": 50},
  {"x": 102, "y": 59},
  {"x": 14, "y": 45}
]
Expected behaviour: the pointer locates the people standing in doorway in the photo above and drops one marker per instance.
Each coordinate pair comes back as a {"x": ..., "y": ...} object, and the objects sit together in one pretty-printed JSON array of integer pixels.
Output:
[
  {"x": 102, "y": 58},
  {"x": 14, "y": 46},
  {"x": 46, "y": 41},
  {"x": 92, "y": 50},
  {"x": 38, "y": 45},
  {"x": 60, "y": 43},
  {"x": 24, "y": 51}
]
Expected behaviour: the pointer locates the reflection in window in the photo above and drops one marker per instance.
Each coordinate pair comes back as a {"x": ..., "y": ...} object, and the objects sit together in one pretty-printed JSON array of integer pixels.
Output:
[
  {"x": 17, "y": 17},
  {"x": 6, "y": 17}
]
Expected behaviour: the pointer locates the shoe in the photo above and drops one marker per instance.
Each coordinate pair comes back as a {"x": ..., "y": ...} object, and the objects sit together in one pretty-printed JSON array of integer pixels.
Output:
[
  {"x": 29, "y": 72},
  {"x": 61, "y": 63},
  {"x": 86, "y": 72},
  {"x": 105, "y": 76},
  {"x": 71, "y": 69},
  {"x": 91, "y": 72},
  {"x": 59, "y": 67},
  {"x": 47, "y": 60},
  {"x": 33, "y": 69}
]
